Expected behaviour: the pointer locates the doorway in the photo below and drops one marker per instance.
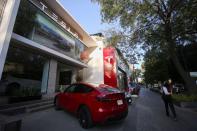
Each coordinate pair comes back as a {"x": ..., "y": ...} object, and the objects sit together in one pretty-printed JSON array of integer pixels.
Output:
[{"x": 65, "y": 77}]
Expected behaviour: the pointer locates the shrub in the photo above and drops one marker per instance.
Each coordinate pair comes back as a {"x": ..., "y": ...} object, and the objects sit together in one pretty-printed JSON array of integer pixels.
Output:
[
  {"x": 184, "y": 98},
  {"x": 26, "y": 91}
]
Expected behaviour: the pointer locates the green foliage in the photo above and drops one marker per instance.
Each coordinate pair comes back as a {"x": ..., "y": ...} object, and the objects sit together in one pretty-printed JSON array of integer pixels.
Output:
[
  {"x": 160, "y": 24},
  {"x": 188, "y": 55},
  {"x": 148, "y": 21},
  {"x": 184, "y": 98},
  {"x": 116, "y": 39},
  {"x": 136, "y": 74},
  {"x": 156, "y": 66}
]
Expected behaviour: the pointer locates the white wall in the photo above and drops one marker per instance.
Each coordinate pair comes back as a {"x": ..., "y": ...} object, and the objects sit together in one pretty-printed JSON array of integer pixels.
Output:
[{"x": 95, "y": 71}]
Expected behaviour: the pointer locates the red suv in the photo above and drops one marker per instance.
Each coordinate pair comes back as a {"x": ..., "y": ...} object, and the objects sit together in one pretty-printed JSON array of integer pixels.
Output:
[{"x": 93, "y": 103}]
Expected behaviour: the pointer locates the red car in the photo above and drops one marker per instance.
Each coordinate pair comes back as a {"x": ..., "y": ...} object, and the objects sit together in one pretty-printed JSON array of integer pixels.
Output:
[{"x": 93, "y": 103}]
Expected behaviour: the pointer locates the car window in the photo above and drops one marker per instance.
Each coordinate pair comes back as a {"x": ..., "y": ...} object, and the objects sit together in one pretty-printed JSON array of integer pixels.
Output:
[
  {"x": 108, "y": 89},
  {"x": 83, "y": 89},
  {"x": 70, "y": 89}
]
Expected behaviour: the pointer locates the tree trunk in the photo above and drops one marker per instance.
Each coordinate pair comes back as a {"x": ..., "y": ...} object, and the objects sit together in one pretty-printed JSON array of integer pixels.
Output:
[
  {"x": 189, "y": 82},
  {"x": 171, "y": 45}
]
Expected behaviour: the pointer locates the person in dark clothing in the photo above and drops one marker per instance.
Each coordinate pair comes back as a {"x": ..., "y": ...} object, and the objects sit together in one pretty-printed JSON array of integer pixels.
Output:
[{"x": 167, "y": 98}]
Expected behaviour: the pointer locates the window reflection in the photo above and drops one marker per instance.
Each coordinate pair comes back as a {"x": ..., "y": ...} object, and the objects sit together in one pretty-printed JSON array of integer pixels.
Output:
[{"x": 22, "y": 70}]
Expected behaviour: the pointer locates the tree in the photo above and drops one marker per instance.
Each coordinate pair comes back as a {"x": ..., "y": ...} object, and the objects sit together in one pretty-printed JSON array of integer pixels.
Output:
[
  {"x": 156, "y": 66},
  {"x": 137, "y": 73},
  {"x": 164, "y": 24},
  {"x": 188, "y": 54}
]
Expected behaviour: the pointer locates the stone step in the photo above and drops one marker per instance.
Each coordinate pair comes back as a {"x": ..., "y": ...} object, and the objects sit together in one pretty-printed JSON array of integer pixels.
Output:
[
  {"x": 40, "y": 104},
  {"x": 6, "y": 106},
  {"x": 39, "y": 108},
  {"x": 26, "y": 107}
]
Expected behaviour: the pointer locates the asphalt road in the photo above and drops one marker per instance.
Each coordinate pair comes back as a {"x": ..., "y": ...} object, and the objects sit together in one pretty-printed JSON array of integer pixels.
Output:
[{"x": 145, "y": 114}]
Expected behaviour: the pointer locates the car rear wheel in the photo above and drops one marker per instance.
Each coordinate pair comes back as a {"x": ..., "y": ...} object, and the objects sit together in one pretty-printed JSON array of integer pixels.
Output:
[
  {"x": 56, "y": 104},
  {"x": 85, "y": 119}
]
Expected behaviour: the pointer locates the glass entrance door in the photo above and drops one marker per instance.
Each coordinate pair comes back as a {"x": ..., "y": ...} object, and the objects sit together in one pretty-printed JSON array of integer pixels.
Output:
[{"x": 64, "y": 76}]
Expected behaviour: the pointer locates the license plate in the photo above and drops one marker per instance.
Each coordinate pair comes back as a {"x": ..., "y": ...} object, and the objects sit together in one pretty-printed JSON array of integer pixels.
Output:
[{"x": 119, "y": 102}]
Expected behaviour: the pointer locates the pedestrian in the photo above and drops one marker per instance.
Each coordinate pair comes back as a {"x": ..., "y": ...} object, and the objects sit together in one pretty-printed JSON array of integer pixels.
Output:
[
  {"x": 170, "y": 85},
  {"x": 167, "y": 98}
]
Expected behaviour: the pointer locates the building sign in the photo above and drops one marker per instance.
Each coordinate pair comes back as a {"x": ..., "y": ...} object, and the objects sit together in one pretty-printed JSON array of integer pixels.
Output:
[
  {"x": 110, "y": 67},
  {"x": 40, "y": 4}
]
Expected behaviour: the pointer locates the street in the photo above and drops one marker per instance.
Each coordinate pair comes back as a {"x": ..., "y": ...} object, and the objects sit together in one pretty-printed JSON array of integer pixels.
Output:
[{"x": 145, "y": 114}]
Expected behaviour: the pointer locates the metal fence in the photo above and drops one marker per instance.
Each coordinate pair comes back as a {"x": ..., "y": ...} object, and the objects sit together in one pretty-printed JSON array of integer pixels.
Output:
[{"x": 2, "y": 7}]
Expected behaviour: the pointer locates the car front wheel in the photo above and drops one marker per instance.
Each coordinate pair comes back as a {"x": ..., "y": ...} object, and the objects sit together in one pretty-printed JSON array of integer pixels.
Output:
[{"x": 85, "y": 117}]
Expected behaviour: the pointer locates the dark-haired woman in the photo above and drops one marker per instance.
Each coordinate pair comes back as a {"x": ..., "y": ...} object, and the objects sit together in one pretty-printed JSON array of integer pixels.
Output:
[{"x": 167, "y": 98}]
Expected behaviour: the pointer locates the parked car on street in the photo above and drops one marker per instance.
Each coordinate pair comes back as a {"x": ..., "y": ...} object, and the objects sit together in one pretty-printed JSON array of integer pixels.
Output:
[
  {"x": 128, "y": 97},
  {"x": 178, "y": 88},
  {"x": 134, "y": 88},
  {"x": 93, "y": 103}
]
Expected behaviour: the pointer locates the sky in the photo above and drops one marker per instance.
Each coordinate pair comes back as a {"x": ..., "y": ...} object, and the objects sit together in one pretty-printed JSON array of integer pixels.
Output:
[{"x": 86, "y": 13}]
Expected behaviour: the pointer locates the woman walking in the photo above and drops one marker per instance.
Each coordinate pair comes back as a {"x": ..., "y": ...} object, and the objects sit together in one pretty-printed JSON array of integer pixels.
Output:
[{"x": 167, "y": 98}]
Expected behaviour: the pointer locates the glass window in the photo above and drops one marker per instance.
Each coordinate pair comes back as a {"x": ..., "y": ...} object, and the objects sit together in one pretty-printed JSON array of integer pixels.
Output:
[
  {"x": 24, "y": 70},
  {"x": 64, "y": 76},
  {"x": 83, "y": 89},
  {"x": 34, "y": 24},
  {"x": 70, "y": 89},
  {"x": 108, "y": 89}
]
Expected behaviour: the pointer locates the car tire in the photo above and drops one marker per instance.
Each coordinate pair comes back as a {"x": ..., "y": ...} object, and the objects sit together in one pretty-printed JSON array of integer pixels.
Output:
[
  {"x": 84, "y": 117},
  {"x": 56, "y": 104}
]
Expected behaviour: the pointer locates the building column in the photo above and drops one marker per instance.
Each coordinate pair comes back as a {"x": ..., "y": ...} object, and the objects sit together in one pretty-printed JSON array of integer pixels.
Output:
[
  {"x": 52, "y": 77},
  {"x": 45, "y": 77},
  {"x": 6, "y": 28}
]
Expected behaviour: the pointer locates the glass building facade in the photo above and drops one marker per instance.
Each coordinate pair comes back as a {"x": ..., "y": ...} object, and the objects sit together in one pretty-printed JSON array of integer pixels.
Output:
[
  {"x": 36, "y": 25},
  {"x": 30, "y": 71}
]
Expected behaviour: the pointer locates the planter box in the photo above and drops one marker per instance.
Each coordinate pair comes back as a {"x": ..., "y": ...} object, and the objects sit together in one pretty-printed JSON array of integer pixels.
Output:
[
  {"x": 15, "y": 99},
  {"x": 186, "y": 104}
]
